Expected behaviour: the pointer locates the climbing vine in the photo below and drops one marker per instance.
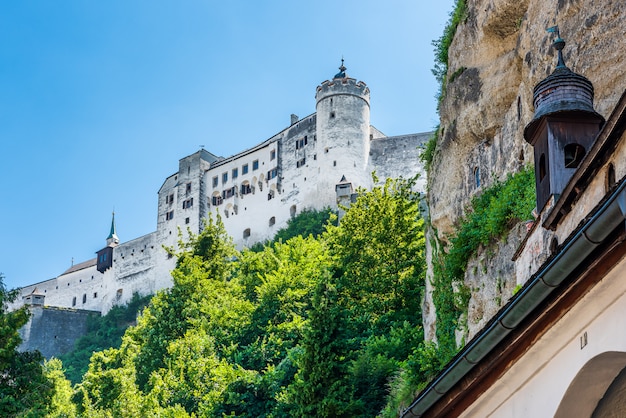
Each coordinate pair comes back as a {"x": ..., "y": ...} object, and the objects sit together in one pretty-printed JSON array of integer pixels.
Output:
[
  {"x": 488, "y": 218},
  {"x": 442, "y": 45}
]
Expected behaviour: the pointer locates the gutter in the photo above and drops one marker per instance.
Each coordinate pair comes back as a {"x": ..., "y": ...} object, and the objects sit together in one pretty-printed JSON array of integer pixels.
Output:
[{"x": 606, "y": 218}]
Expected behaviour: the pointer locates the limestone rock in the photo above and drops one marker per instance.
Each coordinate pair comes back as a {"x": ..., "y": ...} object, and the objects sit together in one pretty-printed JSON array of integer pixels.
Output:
[{"x": 498, "y": 54}]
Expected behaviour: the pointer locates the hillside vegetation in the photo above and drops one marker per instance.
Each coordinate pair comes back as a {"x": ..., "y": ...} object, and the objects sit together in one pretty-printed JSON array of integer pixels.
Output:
[{"x": 306, "y": 327}]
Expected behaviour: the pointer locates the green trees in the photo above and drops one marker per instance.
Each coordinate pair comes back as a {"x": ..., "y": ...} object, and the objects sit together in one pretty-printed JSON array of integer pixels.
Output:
[
  {"x": 307, "y": 326},
  {"x": 24, "y": 390}
]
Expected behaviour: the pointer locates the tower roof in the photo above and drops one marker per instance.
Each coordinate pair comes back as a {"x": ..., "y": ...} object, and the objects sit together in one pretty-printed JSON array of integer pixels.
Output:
[
  {"x": 563, "y": 91},
  {"x": 112, "y": 238},
  {"x": 342, "y": 71}
]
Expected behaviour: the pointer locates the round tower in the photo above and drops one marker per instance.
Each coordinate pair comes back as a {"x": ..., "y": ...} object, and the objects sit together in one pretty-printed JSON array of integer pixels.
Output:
[{"x": 343, "y": 132}]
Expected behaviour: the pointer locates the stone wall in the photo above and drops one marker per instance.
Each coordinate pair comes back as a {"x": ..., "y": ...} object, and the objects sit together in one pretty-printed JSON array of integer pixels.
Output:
[{"x": 53, "y": 331}]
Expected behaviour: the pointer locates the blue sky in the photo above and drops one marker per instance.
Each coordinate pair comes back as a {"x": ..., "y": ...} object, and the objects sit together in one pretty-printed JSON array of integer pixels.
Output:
[{"x": 100, "y": 99}]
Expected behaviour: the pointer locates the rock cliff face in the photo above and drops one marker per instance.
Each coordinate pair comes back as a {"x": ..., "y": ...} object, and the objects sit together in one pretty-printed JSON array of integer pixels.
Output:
[{"x": 499, "y": 53}]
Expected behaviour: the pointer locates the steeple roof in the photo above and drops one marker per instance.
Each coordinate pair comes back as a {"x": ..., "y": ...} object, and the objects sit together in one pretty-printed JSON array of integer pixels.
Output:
[
  {"x": 563, "y": 91},
  {"x": 113, "y": 238},
  {"x": 342, "y": 71}
]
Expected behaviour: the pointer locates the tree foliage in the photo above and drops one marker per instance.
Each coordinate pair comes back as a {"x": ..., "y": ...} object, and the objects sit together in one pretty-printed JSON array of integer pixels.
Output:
[
  {"x": 314, "y": 325},
  {"x": 24, "y": 389}
]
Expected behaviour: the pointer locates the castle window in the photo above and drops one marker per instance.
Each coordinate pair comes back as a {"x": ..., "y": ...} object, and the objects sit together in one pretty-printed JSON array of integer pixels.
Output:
[
  {"x": 573, "y": 155},
  {"x": 244, "y": 169},
  {"x": 272, "y": 173},
  {"x": 292, "y": 211},
  {"x": 119, "y": 292},
  {"x": 217, "y": 200},
  {"x": 95, "y": 295},
  {"x": 229, "y": 192},
  {"x": 215, "y": 180},
  {"x": 224, "y": 178},
  {"x": 332, "y": 115},
  {"x": 255, "y": 165},
  {"x": 246, "y": 233},
  {"x": 170, "y": 199},
  {"x": 334, "y": 163},
  {"x": 188, "y": 203},
  {"x": 272, "y": 221},
  {"x": 315, "y": 157},
  {"x": 272, "y": 154},
  {"x": 186, "y": 220},
  {"x": 300, "y": 163},
  {"x": 270, "y": 195},
  {"x": 188, "y": 188},
  {"x": 84, "y": 298},
  {"x": 246, "y": 189},
  {"x": 74, "y": 301},
  {"x": 477, "y": 177},
  {"x": 169, "y": 215},
  {"x": 235, "y": 173}
]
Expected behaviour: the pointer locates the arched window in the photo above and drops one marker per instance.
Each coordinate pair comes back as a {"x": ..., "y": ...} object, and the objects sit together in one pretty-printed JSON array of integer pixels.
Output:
[
  {"x": 610, "y": 177},
  {"x": 292, "y": 211},
  {"x": 272, "y": 221},
  {"x": 542, "y": 167},
  {"x": 573, "y": 155},
  {"x": 246, "y": 233}
]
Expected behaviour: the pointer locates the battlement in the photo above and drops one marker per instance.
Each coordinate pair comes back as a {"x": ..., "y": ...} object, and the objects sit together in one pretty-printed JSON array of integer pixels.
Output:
[{"x": 345, "y": 85}]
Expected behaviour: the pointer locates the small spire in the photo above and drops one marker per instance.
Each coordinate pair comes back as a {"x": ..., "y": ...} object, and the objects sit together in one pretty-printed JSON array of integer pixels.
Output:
[
  {"x": 558, "y": 44},
  {"x": 112, "y": 238},
  {"x": 342, "y": 71}
]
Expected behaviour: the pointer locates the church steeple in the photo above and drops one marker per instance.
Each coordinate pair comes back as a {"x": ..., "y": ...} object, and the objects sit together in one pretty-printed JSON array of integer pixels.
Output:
[{"x": 112, "y": 239}]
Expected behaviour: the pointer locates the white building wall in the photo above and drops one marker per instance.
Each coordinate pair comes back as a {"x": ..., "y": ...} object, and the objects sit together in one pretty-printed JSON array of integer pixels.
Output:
[
  {"x": 298, "y": 168},
  {"x": 536, "y": 384}
]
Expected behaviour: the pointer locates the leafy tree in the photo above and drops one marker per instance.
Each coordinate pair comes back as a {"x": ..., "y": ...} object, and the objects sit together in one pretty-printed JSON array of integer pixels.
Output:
[
  {"x": 374, "y": 289},
  {"x": 195, "y": 377},
  {"x": 379, "y": 252},
  {"x": 24, "y": 390},
  {"x": 60, "y": 405},
  {"x": 319, "y": 389},
  {"x": 203, "y": 266}
]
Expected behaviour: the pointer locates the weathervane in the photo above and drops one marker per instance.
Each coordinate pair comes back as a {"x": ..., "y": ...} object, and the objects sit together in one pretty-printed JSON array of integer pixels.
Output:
[{"x": 558, "y": 44}]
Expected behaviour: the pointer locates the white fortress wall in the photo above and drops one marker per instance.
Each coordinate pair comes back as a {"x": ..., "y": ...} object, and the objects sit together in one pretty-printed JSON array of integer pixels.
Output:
[{"x": 255, "y": 192}]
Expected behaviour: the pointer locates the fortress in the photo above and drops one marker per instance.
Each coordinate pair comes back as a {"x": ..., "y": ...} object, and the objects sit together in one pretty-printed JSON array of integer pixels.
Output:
[{"x": 318, "y": 161}]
